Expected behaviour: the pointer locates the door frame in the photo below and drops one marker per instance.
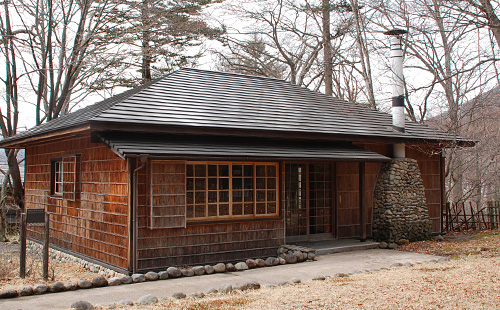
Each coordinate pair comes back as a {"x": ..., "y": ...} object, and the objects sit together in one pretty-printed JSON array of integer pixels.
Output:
[{"x": 333, "y": 234}]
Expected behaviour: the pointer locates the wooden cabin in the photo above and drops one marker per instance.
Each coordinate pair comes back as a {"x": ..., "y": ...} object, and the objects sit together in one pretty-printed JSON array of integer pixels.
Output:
[{"x": 204, "y": 167}]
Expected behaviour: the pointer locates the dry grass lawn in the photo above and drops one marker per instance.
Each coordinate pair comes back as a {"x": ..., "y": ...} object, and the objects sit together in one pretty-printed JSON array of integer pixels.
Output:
[
  {"x": 9, "y": 269},
  {"x": 470, "y": 280}
]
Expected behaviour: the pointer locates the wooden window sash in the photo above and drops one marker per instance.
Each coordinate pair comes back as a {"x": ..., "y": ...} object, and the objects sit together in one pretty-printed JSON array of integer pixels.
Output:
[
  {"x": 231, "y": 190},
  {"x": 57, "y": 178},
  {"x": 65, "y": 177},
  {"x": 70, "y": 166}
]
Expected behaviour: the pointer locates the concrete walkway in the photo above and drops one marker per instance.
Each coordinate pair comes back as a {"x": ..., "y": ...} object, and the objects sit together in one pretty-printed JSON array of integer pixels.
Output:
[{"x": 326, "y": 265}]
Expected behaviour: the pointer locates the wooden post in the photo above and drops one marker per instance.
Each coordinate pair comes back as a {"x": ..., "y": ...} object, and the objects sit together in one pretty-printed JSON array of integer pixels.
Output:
[
  {"x": 362, "y": 215},
  {"x": 22, "y": 258},
  {"x": 473, "y": 218},
  {"x": 46, "y": 248},
  {"x": 465, "y": 216},
  {"x": 444, "y": 203}
]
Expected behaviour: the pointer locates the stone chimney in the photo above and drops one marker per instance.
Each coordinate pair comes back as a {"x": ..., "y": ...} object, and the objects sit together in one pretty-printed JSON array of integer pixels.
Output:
[{"x": 400, "y": 211}]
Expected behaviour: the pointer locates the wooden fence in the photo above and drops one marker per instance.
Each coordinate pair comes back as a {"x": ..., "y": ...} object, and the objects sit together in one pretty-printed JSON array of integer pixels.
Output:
[{"x": 469, "y": 215}]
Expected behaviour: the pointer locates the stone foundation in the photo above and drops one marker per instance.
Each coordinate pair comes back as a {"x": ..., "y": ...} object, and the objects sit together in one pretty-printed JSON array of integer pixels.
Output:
[
  {"x": 399, "y": 205},
  {"x": 35, "y": 249}
]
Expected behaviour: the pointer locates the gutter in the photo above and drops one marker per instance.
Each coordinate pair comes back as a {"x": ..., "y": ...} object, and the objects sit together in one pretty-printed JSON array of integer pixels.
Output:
[{"x": 133, "y": 219}]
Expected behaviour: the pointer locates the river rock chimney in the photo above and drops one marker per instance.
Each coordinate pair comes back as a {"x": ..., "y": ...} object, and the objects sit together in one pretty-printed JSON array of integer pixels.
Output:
[{"x": 398, "y": 98}]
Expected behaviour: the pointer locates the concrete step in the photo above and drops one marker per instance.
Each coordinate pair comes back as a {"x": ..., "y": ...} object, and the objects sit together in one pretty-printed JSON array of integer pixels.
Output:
[
  {"x": 347, "y": 248},
  {"x": 339, "y": 245}
]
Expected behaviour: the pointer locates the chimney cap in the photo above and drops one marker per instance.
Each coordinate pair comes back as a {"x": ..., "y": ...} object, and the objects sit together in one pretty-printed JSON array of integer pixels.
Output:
[{"x": 395, "y": 32}]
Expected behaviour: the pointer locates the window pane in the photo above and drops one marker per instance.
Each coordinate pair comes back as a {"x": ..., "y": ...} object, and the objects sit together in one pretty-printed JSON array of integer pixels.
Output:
[
  {"x": 223, "y": 210},
  {"x": 261, "y": 170},
  {"x": 200, "y": 171},
  {"x": 271, "y": 208},
  {"x": 261, "y": 208},
  {"x": 261, "y": 195},
  {"x": 212, "y": 183},
  {"x": 212, "y": 197},
  {"x": 248, "y": 170},
  {"x": 248, "y": 183},
  {"x": 212, "y": 210},
  {"x": 271, "y": 171},
  {"x": 199, "y": 211},
  {"x": 189, "y": 211},
  {"x": 223, "y": 183},
  {"x": 223, "y": 170},
  {"x": 224, "y": 196},
  {"x": 260, "y": 183},
  {"x": 189, "y": 198},
  {"x": 237, "y": 183},
  {"x": 200, "y": 197},
  {"x": 237, "y": 209},
  {"x": 189, "y": 184},
  {"x": 248, "y": 196},
  {"x": 271, "y": 195},
  {"x": 271, "y": 183},
  {"x": 200, "y": 184},
  {"x": 248, "y": 208},
  {"x": 237, "y": 170},
  {"x": 189, "y": 170},
  {"x": 212, "y": 170},
  {"x": 237, "y": 196}
]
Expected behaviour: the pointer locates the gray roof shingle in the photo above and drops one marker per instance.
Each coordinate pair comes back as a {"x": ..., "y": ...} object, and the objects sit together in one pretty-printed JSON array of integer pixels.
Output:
[
  {"x": 206, "y": 99},
  {"x": 127, "y": 144}
]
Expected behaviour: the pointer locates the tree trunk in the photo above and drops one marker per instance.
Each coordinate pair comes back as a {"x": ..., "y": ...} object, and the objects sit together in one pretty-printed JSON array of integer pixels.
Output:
[
  {"x": 146, "y": 49},
  {"x": 15, "y": 174},
  {"x": 3, "y": 209},
  {"x": 327, "y": 49},
  {"x": 493, "y": 20},
  {"x": 364, "y": 57}
]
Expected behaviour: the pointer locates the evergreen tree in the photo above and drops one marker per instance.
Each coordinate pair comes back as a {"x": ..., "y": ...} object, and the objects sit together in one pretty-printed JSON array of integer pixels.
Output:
[{"x": 159, "y": 35}]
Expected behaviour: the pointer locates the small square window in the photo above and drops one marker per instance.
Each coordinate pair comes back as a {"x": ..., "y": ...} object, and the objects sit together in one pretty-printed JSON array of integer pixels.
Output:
[
  {"x": 57, "y": 177},
  {"x": 65, "y": 177}
]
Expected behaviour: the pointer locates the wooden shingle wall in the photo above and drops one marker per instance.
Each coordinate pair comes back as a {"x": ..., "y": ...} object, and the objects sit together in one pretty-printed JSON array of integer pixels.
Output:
[
  {"x": 201, "y": 242},
  {"x": 93, "y": 219},
  {"x": 430, "y": 167}
]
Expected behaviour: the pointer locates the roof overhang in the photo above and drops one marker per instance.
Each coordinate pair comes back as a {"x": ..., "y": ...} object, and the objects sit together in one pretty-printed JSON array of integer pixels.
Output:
[{"x": 191, "y": 147}]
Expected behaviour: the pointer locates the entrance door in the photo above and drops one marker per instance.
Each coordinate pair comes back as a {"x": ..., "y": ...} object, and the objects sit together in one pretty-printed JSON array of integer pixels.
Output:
[{"x": 308, "y": 201}]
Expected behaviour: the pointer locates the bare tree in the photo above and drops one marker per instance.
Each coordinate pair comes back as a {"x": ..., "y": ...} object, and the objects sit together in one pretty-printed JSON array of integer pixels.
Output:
[
  {"x": 293, "y": 34},
  {"x": 441, "y": 45},
  {"x": 10, "y": 116},
  {"x": 69, "y": 56},
  {"x": 363, "y": 52},
  {"x": 54, "y": 48}
]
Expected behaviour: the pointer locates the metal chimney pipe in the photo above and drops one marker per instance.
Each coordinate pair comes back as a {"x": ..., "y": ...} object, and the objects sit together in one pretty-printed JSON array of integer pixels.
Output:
[{"x": 398, "y": 98}]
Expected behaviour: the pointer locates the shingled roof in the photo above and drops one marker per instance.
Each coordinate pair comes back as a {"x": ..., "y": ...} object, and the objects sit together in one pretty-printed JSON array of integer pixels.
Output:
[{"x": 225, "y": 102}]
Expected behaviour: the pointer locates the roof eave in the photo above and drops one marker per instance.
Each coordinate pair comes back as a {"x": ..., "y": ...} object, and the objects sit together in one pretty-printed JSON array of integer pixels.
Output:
[
  {"x": 21, "y": 142},
  {"x": 254, "y": 133}
]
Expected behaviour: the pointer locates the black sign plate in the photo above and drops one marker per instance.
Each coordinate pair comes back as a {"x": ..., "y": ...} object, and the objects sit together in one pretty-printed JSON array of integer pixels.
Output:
[{"x": 35, "y": 216}]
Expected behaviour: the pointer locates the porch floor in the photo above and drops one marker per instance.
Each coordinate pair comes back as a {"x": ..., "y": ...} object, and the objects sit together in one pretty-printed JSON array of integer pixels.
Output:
[{"x": 338, "y": 245}]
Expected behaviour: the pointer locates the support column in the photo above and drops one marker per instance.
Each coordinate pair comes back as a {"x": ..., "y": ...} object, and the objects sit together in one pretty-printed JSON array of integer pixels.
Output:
[{"x": 362, "y": 210}]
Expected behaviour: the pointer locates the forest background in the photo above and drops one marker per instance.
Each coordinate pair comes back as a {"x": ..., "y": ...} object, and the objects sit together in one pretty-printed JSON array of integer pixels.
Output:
[{"x": 60, "y": 55}]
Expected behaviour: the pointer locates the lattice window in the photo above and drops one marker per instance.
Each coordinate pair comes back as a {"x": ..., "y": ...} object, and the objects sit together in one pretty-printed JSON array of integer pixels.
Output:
[
  {"x": 225, "y": 190},
  {"x": 65, "y": 177}
]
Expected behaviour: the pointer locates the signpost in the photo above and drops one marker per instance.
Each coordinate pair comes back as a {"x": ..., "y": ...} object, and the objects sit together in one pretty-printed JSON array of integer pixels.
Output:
[{"x": 35, "y": 217}]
